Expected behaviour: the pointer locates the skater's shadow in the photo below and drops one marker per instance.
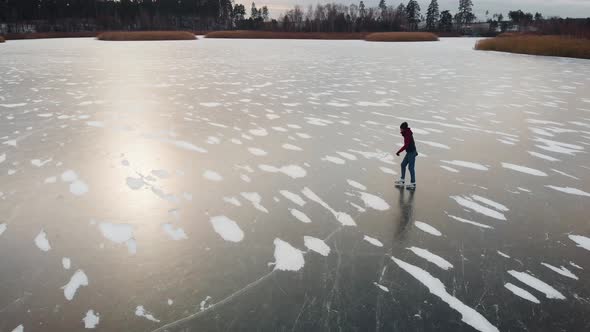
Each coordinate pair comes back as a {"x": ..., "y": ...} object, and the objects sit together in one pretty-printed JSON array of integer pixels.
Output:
[{"x": 406, "y": 212}]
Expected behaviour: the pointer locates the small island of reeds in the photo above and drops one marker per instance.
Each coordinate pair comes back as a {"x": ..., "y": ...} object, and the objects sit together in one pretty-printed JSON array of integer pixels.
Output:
[
  {"x": 401, "y": 37},
  {"x": 146, "y": 35},
  {"x": 255, "y": 34},
  {"x": 563, "y": 46}
]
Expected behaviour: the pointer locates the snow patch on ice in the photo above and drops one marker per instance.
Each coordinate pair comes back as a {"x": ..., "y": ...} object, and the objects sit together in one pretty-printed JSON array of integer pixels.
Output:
[
  {"x": 293, "y": 197},
  {"x": 343, "y": 218},
  {"x": 521, "y": 292},
  {"x": 427, "y": 228},
  {"x": 175, "y": 233},
  {"x": 465, "y": 221},
  {"x": 466, "y": 164},
  {"x": 227, "y": 229},
  {"x": 561, "y": 270},
  {"x": 527, "y": 279},
  {"x": 581, "y": 241},
  {"x": 141, "y": 312},
  {"x": 356, "y": 185},
  {"x": 41, "y": 241},
  {"x": 287, "y": 257},
  {"x": 91, "y": 319},
  {"x": 383, "y": 288},
  {"x": 78, "y": 187},
  {"x": 292, "y": 171},
  {"x": 468, "y": 203},
  {"x": 66, "y": 263},
  {"x": 569, "y": 190},
  {"x": 373, "y": 241},
  {"x": 255, "y": 199},
  {"x": 524, "y": 169},
  {"x": 374, "y": 202},
  {"x": 433, "y": 258},
  {"x": 316, "y": 245},
  {"x": 436, "y": 287},
  {"x": 120, "y": 234},
  {"x": 300, "y": 216},
  {"x": 212, "y": 175},
  {"x": 257, "y": 152},
  {"x": 77, "y": 280}
]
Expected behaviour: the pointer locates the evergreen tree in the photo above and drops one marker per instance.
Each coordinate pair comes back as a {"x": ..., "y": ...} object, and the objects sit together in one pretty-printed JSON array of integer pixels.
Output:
[
  {"x": 382, "y": 7},
  {"x": 445, "y": 23},
  {"x": 413, "y": 14},
  {"x": 465, "y": 14},
  {"x": 432, "y": 15},
  {"x": 253, "y": 12}
]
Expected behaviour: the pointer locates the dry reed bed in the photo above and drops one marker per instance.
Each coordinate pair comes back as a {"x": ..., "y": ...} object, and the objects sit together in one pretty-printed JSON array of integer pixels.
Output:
[
  {"x": 401, "y": 37},
  {"x": 563, "y": 46},
  {"x": 146, "y": 35},
  {"x": 249, "y": 34},
  {"x": 44, "y": 35}
]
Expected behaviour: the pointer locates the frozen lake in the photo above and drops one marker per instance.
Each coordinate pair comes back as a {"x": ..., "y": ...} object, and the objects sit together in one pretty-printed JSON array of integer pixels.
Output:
[{"x": 248, "y": 185}]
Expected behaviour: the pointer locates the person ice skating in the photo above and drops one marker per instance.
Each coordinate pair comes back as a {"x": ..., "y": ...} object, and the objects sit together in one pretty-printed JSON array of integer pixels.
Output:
[{"x": 410, "y": 157}]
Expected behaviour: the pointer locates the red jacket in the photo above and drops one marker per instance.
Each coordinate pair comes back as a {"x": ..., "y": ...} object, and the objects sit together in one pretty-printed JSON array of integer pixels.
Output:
[{"x": 409, "y": 144}]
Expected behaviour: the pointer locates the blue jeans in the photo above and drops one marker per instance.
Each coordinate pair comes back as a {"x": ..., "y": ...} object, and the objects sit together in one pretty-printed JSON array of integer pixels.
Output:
[{"x": 409, "y": 160}]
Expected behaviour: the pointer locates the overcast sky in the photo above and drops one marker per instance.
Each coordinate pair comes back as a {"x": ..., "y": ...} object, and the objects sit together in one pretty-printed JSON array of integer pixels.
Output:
[{"x": 563, "y": 8}]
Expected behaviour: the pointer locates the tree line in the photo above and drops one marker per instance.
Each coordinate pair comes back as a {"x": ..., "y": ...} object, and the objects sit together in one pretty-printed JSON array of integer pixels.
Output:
[{"x": 98, "y": 15}]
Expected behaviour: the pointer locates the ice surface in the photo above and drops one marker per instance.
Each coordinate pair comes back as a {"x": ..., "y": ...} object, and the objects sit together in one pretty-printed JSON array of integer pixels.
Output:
[
  {"x": 581, "y": 241},
  {"x": 77, "y": 280},
  {"x": 436, "y": 287},
  {"x": 227, "y": 229},
  {"x": 287, "y": 257},
  {"x": 427, "y": 228},
  {"x": 316, "y": 245},
  {"x": 433, "y": 258},
  {"x": 91, "y": 319},
  {"x": 521, "y": 292},
  {"x": 2, "y": 228},
  {"x": 549, "y": 291},
  {"x": 524, "y": 169},
  {"x": 373, "y": 241},
  {"x": 42, "y": 242}
]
